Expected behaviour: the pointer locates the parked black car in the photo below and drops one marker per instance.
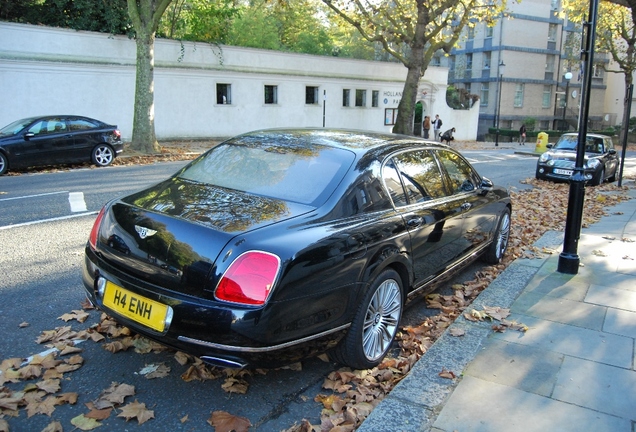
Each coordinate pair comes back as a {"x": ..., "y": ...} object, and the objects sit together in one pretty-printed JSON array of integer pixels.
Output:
[
  {"x": 601, "y": 159},
  {"x": 277, "y": 245},
  {"x": 53, "y": 140}
]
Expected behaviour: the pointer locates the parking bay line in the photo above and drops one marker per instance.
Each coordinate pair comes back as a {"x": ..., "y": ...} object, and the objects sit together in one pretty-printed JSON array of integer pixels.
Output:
[
  {"x": 33, "y": 196},
  {"x": 48, "y": 220}
]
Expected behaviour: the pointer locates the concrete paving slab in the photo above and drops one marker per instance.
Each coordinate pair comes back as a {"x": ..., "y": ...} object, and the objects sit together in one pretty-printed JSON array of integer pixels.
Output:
[
  {"x": 558, "y": 285},
  {"x": 571, "y": 340},
  {"x": 400, "y": 416},
  {"x": 523, "y": 367},
  {"x": 560, "y": 310},
  {"x": 481, "y": 406},
  {"x": 620, "y": 322},
  {"x": 581, "y": 382},
  {"x": 612, "y": 297}
]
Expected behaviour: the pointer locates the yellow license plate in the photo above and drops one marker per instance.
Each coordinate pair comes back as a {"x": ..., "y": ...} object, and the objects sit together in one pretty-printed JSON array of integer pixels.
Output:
[{"x": 138, "y": 308}]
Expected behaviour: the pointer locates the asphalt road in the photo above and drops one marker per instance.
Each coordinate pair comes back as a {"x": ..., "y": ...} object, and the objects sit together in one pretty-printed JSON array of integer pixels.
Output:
[{"x": 45, "y": 219}]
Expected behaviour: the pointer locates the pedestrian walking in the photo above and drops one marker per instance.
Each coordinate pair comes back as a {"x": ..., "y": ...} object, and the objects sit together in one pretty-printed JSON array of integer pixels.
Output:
[
  {"x": 522, "y": 135},
  {"x": 426, "y": 126},
  {"x": 437, "y": 125}
]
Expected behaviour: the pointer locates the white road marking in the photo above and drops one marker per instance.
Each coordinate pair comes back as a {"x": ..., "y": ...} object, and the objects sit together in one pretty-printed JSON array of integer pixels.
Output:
[
  {"x": 33, "y": 196},
  {"x": 77, "y": 202},
  {"x": 48, "y": 220}
]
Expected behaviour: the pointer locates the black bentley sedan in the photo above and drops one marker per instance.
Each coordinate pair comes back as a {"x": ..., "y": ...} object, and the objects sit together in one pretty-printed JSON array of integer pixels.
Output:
[
  {"x": 601, "y": 160},
  {"x": 53, "y": 140},
  {"x": 280, "y": 244}
]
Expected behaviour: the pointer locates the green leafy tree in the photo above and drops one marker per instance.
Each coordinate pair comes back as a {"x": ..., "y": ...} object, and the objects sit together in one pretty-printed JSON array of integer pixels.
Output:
[
  {"x": 615, "y": 34},
  {"x": 412, "y": 31}
]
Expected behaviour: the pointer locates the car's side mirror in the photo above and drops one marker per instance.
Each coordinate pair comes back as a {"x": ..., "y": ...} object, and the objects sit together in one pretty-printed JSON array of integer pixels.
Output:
[
  {"x": 612, "y": 151},
  {"x": 549, "y": 145},
  {"x": 28, "y": 136},
  {"x": 486, "y": 185}
]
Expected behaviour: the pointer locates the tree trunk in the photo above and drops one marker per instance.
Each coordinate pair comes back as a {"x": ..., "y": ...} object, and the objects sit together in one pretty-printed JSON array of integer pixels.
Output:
[
  {"x": 406, "y": 107},
  {"x": 143, "y": 137}
]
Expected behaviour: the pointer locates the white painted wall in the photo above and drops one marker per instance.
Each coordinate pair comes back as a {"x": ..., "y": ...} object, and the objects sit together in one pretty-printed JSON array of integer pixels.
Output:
[{"x": 46, "y": 70}]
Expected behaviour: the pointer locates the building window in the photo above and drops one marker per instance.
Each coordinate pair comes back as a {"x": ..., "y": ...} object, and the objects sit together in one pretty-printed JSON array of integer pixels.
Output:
[
  {"x": 451, "y": 63},
  {"x": 519, "y": 95},
  {"x": 375, "y": 98},
  {"x": 552, "y": 33},
  {"x": 346, "y": 94},
  {"x": 597, "y": 71},
  {"x": 544, "y": 124},
  {"x": 311, "y": 95},
  {"x": 436, "y": 61},
  {"x": 547, "y": 96},
  {"x": 489, "y": 31},
  {"x": 485, "y": 89},
  {"x": 361, "y": 98},
  {"x": 469, "y": 62},
  {"x": 471, "y": 33},
  {"x": 223, "y": 94},
  {"x": 468, "y": 88},
  {"x": 271, "y": 94},
  {"x": 487, "y": 59},
  {"x": 549, "y": 63},
  {"x": 554, "y": 4}
]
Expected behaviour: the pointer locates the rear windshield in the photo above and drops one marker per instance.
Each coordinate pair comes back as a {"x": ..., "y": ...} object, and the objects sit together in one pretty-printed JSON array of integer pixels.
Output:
[{"x": 306, "y": 174}]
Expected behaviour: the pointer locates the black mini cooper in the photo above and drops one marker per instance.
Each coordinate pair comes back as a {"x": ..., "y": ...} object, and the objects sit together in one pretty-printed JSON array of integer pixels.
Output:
[{"x": 601, "y": 159}]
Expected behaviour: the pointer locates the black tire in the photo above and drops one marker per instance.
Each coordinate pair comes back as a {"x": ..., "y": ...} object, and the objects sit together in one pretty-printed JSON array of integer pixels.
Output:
[
  {"x": 4, "y": 164},
  {"x": 499, "y": 245},
  {"x": 375, "y": 324},
  {"x": 599, "y": 179},
  {"x": 103, "y": 155}
]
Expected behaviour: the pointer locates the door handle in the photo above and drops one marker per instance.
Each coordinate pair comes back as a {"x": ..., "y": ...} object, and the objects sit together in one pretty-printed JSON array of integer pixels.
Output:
[{"x": 414, "y": 222}]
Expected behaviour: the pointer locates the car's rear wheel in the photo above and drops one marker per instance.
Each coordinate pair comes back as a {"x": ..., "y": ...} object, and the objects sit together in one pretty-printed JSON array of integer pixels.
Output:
[
  {"x": 375, "y": 324},
  {"x": 103, "y": 155},
  {"x": 497, "y": 248},
  {"x": 599, "y": 178},
  {"x": 4, "y": 163}
]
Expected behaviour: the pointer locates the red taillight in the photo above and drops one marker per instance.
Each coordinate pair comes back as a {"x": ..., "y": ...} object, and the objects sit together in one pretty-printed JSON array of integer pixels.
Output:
[
  {"x": 117, "y": 133},
  {"x": 249, "y": 279},
  {"x": 93, "y": 237}
]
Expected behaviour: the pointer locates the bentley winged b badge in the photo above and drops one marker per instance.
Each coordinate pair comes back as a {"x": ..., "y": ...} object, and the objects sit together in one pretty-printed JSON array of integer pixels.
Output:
[{"x": 144, "y": 232}]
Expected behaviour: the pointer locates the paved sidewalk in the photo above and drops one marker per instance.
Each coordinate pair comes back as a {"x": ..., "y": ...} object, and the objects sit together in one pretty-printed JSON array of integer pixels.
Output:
[{"x": 573, "y": 370}]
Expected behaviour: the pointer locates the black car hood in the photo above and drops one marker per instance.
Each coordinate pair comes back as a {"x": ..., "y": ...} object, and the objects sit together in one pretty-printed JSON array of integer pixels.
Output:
[{"x": 172, "y": 233}]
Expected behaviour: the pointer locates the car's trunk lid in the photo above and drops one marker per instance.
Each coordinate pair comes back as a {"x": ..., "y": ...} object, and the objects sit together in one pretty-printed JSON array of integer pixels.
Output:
[{"x": 171, "y": 234}]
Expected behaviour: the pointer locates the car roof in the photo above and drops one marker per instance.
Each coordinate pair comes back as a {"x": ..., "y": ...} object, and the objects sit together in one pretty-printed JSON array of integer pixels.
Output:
[
  {"x": 354, "y": 140},
  {"x": 589, "y": 135}
]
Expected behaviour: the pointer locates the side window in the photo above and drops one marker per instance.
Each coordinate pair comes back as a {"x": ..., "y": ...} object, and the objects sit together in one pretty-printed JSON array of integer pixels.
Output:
[
  {"x": 421, "y": 176},
  {"x": 393, "y": 184},
  {"x": 462, "y": 177},
  {"x": 39, "y": 128},
  {"x": 52, "y": 125},
  {"x": 80, "y": 124}
]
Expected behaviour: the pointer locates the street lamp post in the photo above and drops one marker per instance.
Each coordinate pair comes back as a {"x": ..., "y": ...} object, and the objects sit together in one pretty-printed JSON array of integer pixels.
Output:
[
  {"x": 500, "y": 71},
  {"x": 568, "y": 77}
]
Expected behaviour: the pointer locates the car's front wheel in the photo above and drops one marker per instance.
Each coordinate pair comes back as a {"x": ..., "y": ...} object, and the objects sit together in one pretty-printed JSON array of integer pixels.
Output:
[
  {"x": 600, "y": 178},
  {"x": 103, "y": 155},
  {"x": 375, "y": 324},
  {"x": 497, "y": 248},
  {"x": 4, "y": 163}
]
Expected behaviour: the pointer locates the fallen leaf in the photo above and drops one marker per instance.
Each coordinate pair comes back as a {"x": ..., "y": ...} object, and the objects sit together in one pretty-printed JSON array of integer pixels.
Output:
[
  {"x": 84, "y": 423},
  {"x": 114, "y": 395},
  {"x": 54, "y": 426},
  {"x": 223, "y": 421},
  {"x": 136, "y": 410},
  {"x": 447, "y": 374},
  {"x": 455, "y": 331}
]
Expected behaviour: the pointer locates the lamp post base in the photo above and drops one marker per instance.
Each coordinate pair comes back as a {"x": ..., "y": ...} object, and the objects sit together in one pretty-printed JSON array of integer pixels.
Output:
[{"x": 568, "y": 263}]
